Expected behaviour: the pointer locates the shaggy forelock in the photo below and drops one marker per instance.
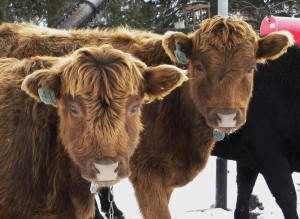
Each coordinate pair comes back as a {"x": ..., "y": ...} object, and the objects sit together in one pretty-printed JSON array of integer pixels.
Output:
[
  {"x": 103, "y": 79},
  {"x": 223, "y": 33},
  {"x": 109, "y": 73}
]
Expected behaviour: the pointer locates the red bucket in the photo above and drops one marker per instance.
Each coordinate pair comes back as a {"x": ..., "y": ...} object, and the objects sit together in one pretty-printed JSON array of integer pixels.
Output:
[{"x": 272, "y": 23}]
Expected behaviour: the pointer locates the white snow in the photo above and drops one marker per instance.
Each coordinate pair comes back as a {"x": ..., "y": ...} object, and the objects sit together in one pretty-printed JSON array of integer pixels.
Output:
[{"x": 194, "y": 200}]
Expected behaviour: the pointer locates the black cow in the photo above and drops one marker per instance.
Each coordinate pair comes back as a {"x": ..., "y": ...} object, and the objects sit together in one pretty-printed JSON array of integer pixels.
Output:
[
  {"x": 106, "y": 199},
  {"x": 269, "y": 142}
]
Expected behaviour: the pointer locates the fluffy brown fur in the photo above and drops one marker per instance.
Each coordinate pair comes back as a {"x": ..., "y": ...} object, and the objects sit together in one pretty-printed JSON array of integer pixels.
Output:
[
  {"x": 177, "y": 140},
  {"x": 26, "y": 40},
  {"x": 47, "y": 152}
]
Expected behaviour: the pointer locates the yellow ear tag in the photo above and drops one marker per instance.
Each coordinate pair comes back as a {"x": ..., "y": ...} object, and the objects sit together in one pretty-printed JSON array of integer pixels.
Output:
[
  {"x": 180, "y": 56},
  {"x": 46, "y": 95}
]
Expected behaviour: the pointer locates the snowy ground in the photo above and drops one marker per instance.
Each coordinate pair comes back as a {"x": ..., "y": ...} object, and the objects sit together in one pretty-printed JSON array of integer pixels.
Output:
[{"x": 189, "y": 201}]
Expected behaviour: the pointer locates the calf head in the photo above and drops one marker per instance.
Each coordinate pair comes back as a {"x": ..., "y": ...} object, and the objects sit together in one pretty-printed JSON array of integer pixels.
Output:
[
  {"x": 221, "y": 57},
  {"x": 98, "y": 92}
]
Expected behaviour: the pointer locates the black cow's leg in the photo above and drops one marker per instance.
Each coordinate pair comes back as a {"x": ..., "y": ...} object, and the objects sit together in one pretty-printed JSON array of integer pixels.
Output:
[
  {"x": 246, "y": 178},
  {"x": 279, "y": 180},
  {"x": 105, "y": 204},
  {"x": 97, "y": 213}
]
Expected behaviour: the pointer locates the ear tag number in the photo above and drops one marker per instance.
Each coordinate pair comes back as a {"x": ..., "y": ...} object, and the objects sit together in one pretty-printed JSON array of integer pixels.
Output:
[
  {"x": 218, "y": 135},
  {"x": 180, "y": 56},
  {"x": 46, "y": 95}
]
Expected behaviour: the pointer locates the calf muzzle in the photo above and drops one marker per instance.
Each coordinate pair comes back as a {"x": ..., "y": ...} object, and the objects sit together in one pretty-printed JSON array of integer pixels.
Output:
[
  {"x": 225, "y": 119},
  {"x": 106, "y": 169}
]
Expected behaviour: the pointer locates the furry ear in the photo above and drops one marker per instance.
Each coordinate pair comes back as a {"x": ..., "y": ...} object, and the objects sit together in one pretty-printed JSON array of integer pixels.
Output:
[
  {"x": 273, "y": 45},
  {"x": 178, "y": 46},
  {"x": 42, "y": 85},
  {"x": 161, "y": 80}
]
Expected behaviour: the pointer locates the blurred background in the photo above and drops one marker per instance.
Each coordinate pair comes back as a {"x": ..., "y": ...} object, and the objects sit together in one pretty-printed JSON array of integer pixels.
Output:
[{"x": 140, "y": 13}]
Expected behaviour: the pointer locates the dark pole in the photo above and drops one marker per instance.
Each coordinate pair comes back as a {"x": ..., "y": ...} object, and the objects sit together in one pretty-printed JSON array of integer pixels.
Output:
[
  {"x": 221, "y": 183},
  {"x": 221, "y": 164},
  {"x": 213, "y": 7}
]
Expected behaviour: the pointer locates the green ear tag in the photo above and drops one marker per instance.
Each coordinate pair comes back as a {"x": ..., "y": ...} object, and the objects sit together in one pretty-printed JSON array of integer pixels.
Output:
[
  {"x": 218, "y": 135},
  {"x": 180, "y": 56},
  {"x": 46, "y": 95}
]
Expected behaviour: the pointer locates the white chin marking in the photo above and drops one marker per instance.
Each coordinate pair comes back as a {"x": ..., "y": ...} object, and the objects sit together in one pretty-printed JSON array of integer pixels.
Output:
[
  {"x": 107, "y": 172},
  {"x": 226, "y": 120}
]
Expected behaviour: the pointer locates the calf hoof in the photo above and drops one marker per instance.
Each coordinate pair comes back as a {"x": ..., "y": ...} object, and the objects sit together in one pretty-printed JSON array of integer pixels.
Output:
[
  {"x": 254, "y": 203},
  {"x": 254, "y": 215},
  {"x": 98, "y": 215}
]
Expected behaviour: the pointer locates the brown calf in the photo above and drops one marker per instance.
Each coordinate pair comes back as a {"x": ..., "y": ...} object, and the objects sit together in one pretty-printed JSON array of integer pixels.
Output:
[
  {"x": 50, "y": 154},
  {"x": 180, "y": 131}
]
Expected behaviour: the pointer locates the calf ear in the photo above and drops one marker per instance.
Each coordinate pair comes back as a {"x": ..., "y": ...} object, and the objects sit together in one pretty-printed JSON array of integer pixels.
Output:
[
  {"x": 161, "y": 80},
  {"x": 273, "y": 45},
  {"x": 178, "y": 46},
  {"x": 42, "y": 85}
]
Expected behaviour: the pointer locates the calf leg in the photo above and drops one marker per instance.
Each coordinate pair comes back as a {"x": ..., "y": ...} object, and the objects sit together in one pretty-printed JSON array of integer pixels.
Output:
[
  {"x": 153, "y": 197},
  {"x": 245, "y": 182},
  {"x": 97, "y": 213},
  {"x": 279, "y": 180}
]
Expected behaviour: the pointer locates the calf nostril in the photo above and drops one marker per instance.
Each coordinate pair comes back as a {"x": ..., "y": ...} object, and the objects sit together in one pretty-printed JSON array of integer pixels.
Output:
[
  {"x": 218, "y": 118},
  {"x": 117, "y": 169},
  {"x": 113, "y": 166},
  {"x": 95, "y": 169},
  {"x": 236, "y": 117}
]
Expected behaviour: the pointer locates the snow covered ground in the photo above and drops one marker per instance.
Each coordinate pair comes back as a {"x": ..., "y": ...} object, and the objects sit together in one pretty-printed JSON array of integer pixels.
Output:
[{"x": 189, "y": 201}]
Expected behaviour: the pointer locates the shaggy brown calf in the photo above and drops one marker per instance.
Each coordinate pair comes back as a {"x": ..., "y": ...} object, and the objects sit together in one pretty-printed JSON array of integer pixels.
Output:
[
  {"x": 179, "y": 131},
  {"x": 50, "y": 154}
]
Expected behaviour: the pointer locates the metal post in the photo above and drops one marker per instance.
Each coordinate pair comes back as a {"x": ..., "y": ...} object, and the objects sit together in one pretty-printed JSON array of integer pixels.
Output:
[
  {"x": 81, "y": 14},
  {"x": 223, "y": 8},
  {"x": 221, "y": 183},
  {"x": 221, "y": 164}
]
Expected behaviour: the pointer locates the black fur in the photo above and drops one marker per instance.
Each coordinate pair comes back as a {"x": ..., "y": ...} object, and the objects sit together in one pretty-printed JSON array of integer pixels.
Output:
[
  {"x": 269, "y": 142},
  {"x": 105, "y": 205}
]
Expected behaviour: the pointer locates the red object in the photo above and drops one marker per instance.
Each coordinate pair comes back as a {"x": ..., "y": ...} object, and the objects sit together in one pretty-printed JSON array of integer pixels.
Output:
[{"x": 272, "y": 23}]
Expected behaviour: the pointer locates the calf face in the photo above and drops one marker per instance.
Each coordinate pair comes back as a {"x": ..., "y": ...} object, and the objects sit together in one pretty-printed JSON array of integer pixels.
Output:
[
  {"x": 98, "y": 93},
  {"x": 221, "y": 57}
]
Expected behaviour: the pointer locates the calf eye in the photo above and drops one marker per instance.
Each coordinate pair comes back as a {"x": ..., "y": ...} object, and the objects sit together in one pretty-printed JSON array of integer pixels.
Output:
[
  {"x": 133, "y": 110},
  {"x": 74, "y": 110},
  {"x": 250, "y": 70},
  {"x": 199, "y": 67}
]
